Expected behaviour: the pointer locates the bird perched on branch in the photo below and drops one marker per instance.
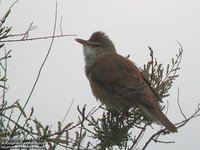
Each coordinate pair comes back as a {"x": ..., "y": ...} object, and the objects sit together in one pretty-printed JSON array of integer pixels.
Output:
[{"x": 117, "y": 82}]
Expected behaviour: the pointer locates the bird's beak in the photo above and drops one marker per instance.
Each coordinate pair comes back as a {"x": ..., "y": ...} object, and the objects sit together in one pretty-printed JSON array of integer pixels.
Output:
[{"x": 84, "y": 42}]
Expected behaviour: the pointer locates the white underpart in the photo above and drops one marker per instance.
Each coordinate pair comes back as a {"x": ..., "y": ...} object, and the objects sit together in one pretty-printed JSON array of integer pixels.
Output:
[{"x": 90, "y": 55}]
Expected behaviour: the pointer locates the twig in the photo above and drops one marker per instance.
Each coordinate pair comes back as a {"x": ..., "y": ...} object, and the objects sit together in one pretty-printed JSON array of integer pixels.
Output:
[
  {"x": 67, "y": 111},
  {"x": 164, "y": 131},
  {"x": 80, "y": 122},
  {"x": 152, "y": 63},
  {"x": 16, "y": 124},
  {"x": 26, "y": 34},
  {"x": 6, "y": 56},
  {"x": 5, "y": 76},
  {"x": 178, "y": 61},
  {"x": 61, "y": 33},
  {"x": 41, "y": 67},
  {"x": 165, "y": 142},
  {"x": 194, "y": 115},
  {"x": 8, "y": 11},
  {"x": 179, "y": 106},
  {"x": 88, "y": 115},
  {"x": 36, "y": 38},
  {"x": 140, "y": 135}
]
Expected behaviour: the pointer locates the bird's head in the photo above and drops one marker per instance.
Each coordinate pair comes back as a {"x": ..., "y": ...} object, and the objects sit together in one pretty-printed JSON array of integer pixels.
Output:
[{"x": 96, "y": 47}]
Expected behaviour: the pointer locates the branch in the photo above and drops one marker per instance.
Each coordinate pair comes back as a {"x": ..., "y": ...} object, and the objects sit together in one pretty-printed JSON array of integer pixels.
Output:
[
  {"x": 40, "y": 70},
  {"x": 3, "y": 18},
  {"x": 91, "y": 112},
  {"x": 67, "y": 112},
  {"x": 16, "y": 124},
  {"x": 36, "y": 38},
  {"x": 194, "y": 115},
  {"x": 179, "y": 106},
  {"x": 140, "y": 135},
  {"x": 163, "y": 131},
  {"x": 178, "y": 125}
]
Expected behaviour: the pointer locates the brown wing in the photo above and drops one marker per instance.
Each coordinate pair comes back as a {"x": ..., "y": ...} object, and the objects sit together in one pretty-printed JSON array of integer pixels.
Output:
[
  {"x": 119, "y": 76},
  {"x": 114, "y": 75},
  {"x": 152, "y": 89}
]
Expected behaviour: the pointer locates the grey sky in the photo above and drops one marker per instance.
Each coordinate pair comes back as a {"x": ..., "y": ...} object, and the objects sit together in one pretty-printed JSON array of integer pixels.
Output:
[{"x": 131, "y": 25}]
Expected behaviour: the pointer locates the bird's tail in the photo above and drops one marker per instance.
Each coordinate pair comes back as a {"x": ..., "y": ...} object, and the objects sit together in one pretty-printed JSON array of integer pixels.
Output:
[{"x": 160, "y": 117}]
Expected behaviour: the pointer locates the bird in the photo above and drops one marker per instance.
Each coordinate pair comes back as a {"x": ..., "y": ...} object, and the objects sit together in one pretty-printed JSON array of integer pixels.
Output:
[{"x": 117, "y": 82}]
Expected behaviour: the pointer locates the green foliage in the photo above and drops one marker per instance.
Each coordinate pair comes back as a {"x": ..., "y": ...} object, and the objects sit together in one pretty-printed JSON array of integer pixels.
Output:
[
  {"x": 162, "y": 78},
  {"x": 113, "y": 128},
  {"x": 4, "y": 30},
  {"x": 3, "y": 76}
]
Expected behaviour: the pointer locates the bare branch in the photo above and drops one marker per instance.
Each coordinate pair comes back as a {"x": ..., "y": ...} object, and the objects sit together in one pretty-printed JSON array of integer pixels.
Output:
[
  {"x": 194, "y": 115},
  {"x": 8, "y": 12},
  {"x": 36, "y": 38},
  {"x": 16, "y": 124},
  {"x": 179, "y": 106},
  {"x": 154, "y": 137},
  {"x": 164, "y": 142},
  {"x": 61, "y": 33},
  {"x": 41, "y": 67},
  {"x": 140, "y": 135},
  {"x": 163, "y": 131},
  {"x": 67, "y": 111}
]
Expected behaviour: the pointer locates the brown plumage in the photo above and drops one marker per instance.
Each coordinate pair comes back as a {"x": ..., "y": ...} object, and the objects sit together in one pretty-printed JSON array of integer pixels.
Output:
[{"x": 117, "y": 82}]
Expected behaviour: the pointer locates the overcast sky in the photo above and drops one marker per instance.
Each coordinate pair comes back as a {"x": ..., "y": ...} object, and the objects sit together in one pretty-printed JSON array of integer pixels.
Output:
[{"x": 132, "y": 26}]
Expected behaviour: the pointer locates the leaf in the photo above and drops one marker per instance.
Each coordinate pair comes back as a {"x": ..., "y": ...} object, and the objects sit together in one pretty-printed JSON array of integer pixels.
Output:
[{"x": 173, "y": 61}]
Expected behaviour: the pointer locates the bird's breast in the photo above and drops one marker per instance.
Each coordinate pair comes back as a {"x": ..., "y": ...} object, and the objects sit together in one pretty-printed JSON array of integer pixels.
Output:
[{"x": 107, "y": 98}]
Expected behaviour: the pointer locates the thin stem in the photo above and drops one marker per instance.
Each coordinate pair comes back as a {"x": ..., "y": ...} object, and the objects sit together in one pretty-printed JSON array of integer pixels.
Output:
[
  {"x": 37, "y": 38},
  {"x": 40, "y": 70}
]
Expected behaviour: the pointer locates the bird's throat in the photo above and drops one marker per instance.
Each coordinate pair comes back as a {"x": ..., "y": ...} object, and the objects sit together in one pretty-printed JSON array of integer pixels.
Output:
[{"x": 92, "y": 55}]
